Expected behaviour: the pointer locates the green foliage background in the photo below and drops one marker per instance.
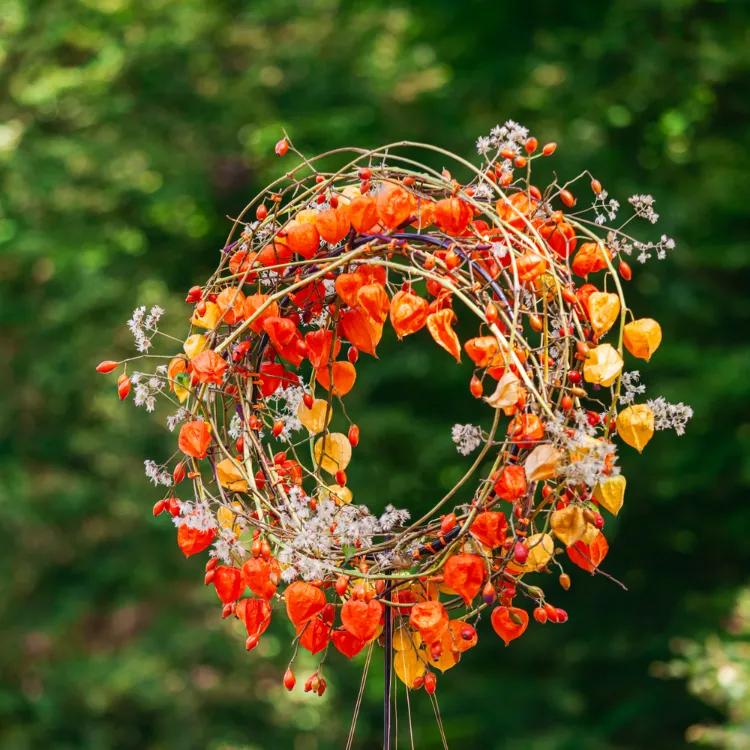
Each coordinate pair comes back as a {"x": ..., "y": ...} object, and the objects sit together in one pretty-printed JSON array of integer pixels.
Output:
[{"x": 129, "y": 130}]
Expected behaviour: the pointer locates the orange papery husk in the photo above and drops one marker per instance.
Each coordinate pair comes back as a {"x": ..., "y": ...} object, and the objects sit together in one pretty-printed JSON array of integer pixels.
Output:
[
  {"x": 192, "y": 541},
  {"x": 209, "y": 367},
  {"x": 430, "y": 619},
  {"x": 303, "y": 602},
  {"x": 589, "y": 556},
  {"x": 344, "y": 375},
  {"x": 261, "y": 576},
  {"x": 464, "y": 574},
  {"x": 510, "y": 483},
  {"x": 439, "y": 325},
  {"x": 408, "y": 313},
  {"x": 489, "y": 528},
  {"x": 255, "y": 615},
  {"x": 362, "y": 618},
  {"x": 505, "y": 627},
  {"x": 194, "y": 439}
]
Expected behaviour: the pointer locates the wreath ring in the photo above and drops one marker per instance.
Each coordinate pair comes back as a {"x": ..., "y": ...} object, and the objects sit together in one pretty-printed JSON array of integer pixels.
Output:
[{"x": 328, "y": 259}]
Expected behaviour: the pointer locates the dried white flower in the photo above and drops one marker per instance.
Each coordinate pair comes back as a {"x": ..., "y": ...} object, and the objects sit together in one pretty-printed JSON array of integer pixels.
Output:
[
  {"x": 670, "y": 416},
  {"x": 467, "y": 437}
]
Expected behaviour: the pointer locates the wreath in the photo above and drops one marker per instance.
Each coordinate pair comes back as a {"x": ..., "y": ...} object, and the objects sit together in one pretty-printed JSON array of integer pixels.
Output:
[{"x": 313, "y": 270}]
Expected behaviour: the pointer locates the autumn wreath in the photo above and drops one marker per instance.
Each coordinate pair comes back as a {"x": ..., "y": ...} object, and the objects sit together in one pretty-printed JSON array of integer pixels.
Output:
[{"x": 301, "y": 292}]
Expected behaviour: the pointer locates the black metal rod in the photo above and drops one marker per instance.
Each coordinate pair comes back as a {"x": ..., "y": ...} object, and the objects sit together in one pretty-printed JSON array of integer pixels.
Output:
[{"x": 387, "y": 675}]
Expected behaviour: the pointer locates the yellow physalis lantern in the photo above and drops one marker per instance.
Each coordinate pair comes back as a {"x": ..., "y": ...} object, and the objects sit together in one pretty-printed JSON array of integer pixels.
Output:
[
  {"x": 338, "y": 493},
  {"x": 603, "y": 365},
  {"x": 590, "y": 534},
  {"x": 175, "y": 368},
  {"x": 546, "y": 285},
  {"x": 194, "y": 345},
  {"x": 405, "y": 638},
  {"x": 542, "y": 463},
  {"x": 230, "y": 476},
  {"x": 541, "y": 547},
  {"x": 408, "y": 666},
  {"x": 603, "y": 311},
  {"x": 568, "y": 524},
  {"x": 228, "y": 519},
  {"x": 610, "y": 492},
  {"x": 210, "y": 317},
  {"x": 447, "y": 658},
  {"x": 507, "y": 392},
  {"x": 333, "y": 452},
  {"x": 635, "y": 425},
  {"x": 642, "y": 337},
  {"x": 317, "y": 417}
]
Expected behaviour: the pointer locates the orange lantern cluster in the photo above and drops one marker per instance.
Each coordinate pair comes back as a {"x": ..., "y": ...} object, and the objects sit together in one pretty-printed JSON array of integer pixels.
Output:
[{"x": 316, "y": 271}]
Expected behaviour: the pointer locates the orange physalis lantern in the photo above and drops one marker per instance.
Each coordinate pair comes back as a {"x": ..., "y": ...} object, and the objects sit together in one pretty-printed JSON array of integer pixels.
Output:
[
  {"x": 348, "y": 644},
  {"x": 363, "y": 213},
  {"x": 510, "y": 622},
  {"x": 453, "y": 215},
  {"x": 192, "y": 540},
  {"x": 209, "y": 367},
  {"x": 465, "y": 575},
  {"x": 589, "y": 259},
  {"x": 253, "y": 303},
  {"x": 344, "y": 376},
  {"x": 231, "y": 304},
  {"x": 489, "y": 528},
  {"x": 261, "y": 576},
  {"x": 374, "y": 302},
  {"x": 430, "y": 619},
  {"x": 408, "y": 313},
  {"x": 510, "y": 484},
  {"x": 303, "y": 602},
  {"x": 439, "y": 326},
  {"x": 362, "y": 618},
  {"x": 393, "y": 205},
  {"x": 228, "y": 583},
  {"x": 255, "y": 615},
  {"x": 194, "y": 439},
  {"x": 333, "y": 224},
  {"x": 589, "y": 556},
  {"x": 642, "y": 337}
]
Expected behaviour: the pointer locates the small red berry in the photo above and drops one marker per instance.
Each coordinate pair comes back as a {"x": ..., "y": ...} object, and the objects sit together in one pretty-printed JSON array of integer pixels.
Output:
[
  {"x": 353, "y": 436},
  {"x": 520, "y": 553},
  {"x": 447, "y": 523},
  {"x": 289, "y": 680},
  {"x": 430, "y": 682},
  {"x": 123, "y": 387},
  {"x": 282, "y": 147},
  {"x": 488, "y": 593},
  {"x": 107, "y": 366},
  {"x": 567, "y": 198}
]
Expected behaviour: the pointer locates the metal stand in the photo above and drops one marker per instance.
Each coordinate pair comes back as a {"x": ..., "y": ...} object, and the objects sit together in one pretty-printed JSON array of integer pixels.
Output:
[{"x": 388, "y": 677}]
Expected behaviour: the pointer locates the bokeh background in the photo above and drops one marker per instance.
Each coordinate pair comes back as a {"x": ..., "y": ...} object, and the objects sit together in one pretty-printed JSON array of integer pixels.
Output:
[{"x": 129, "y": 131}]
